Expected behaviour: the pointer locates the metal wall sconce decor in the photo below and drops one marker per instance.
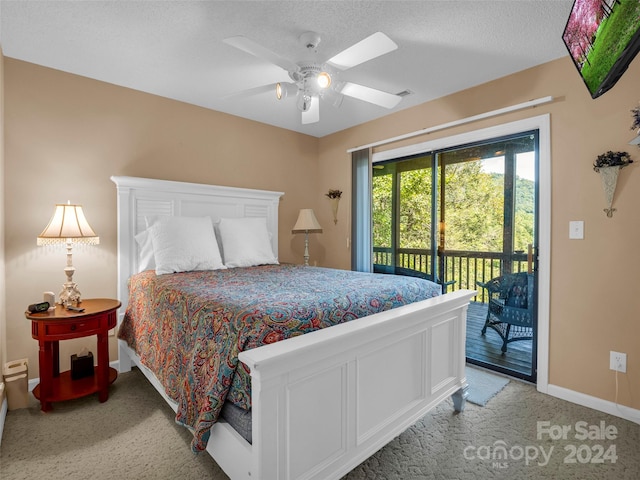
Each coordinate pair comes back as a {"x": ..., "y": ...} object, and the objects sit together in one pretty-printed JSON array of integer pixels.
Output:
[{"x": 608, "y": 165}]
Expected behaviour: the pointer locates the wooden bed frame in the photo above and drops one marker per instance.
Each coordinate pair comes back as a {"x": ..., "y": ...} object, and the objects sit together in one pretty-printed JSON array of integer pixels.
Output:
[{"x": 322, "y": 402}]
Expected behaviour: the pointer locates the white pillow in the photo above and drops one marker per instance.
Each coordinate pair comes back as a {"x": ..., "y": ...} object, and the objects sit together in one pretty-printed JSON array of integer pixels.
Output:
[
  {"x": 246, "y": 242},
  {"x": 146, "y": 260},
  {"x": 183, "y": 244}
]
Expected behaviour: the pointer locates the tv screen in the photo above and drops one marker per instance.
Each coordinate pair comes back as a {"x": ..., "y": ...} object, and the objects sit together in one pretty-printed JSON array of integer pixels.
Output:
[{"x": 603, "y": 37}]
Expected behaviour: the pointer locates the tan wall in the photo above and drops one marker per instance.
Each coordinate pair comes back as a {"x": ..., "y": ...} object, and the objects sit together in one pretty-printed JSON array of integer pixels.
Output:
[
  {"x": 595, "y": 301},
  {"x": 66, "y": 135},
  {"x": 3, "y": 310}
]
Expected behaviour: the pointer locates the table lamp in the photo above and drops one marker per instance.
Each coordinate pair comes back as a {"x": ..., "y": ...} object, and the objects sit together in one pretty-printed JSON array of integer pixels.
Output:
[
  {"x": 68, "y": 225},
  {"x": 307, "y": 223}
]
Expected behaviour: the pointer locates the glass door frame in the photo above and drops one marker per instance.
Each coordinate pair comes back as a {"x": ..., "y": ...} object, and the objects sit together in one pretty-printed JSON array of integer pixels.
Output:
[
  {"x": 508, "y": 253},
  {"x": 502, "y": 155},
  {"x": 542, "y": 124}
]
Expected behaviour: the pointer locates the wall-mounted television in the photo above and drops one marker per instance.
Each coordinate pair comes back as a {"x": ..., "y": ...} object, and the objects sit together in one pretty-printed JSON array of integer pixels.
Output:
[{"x": 603, "y": 37}]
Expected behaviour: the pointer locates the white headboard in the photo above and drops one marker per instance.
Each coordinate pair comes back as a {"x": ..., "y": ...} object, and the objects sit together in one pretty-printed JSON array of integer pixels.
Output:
[{"x": 140, "y": 197}]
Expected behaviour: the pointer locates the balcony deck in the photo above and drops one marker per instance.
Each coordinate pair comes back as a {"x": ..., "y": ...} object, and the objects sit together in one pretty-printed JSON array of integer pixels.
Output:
[
  {"x": 464, "y": 269},
  {"x": 486, "y": 349}
]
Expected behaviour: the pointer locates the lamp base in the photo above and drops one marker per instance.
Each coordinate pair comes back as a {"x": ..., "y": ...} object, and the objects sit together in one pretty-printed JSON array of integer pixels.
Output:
[
  {"x": 306, "y": 249},
  {"x": 70, "y": 295}
]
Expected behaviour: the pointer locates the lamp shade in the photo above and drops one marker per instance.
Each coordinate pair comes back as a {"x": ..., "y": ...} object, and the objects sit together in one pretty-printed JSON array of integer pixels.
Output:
[
  {"x": 307, "y": 222},
  {"x": 68, "y": 223}
]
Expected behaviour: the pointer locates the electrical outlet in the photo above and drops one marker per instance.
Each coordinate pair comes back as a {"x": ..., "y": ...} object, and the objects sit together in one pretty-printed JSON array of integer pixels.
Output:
[{"x": 618, "y": 361}]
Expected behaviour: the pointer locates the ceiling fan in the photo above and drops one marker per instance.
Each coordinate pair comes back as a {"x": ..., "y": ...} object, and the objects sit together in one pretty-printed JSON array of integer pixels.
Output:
[{"x": 313, "y": 80}]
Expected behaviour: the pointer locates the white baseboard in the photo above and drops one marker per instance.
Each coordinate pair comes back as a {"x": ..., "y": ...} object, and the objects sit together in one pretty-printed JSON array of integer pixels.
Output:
[
  {"x": 33, "y": 383},
  {"x": 595, "y": 403},
  {"x": 3, "y": 415}
]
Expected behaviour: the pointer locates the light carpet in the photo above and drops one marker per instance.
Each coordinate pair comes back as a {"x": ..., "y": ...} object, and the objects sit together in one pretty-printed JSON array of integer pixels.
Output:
[
  {"x": 483, "y": 385},
  {"x": 134, "y": 436}
]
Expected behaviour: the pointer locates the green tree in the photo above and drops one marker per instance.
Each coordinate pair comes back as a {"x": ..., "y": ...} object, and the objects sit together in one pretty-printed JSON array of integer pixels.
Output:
[{"x": 474, "y": 205}]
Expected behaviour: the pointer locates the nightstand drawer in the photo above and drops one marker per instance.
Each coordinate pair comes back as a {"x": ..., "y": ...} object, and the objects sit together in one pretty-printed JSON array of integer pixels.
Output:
[{"x": 72, "y": 328}]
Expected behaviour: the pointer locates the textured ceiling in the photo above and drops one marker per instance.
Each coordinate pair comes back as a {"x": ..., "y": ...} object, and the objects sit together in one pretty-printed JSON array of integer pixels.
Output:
[{"x": 174, "y": 48}]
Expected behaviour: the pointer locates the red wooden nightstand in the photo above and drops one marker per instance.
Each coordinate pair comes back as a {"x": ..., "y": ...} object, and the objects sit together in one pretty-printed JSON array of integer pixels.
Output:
[{"x": 50, "y": 327}]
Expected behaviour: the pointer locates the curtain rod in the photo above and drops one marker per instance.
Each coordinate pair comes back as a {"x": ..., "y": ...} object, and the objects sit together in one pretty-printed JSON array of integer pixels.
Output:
[{"x": 455, "y": 123}]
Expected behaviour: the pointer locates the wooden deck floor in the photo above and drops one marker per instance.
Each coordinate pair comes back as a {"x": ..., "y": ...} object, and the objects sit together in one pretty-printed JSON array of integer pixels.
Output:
[{"x": 486, "y": 349}]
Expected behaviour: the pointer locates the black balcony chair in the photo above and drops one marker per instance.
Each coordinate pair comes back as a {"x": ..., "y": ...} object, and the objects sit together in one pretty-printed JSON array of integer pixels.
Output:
[
  {"x": 409, "y": 272},
  {"x": 510, "y": 310}
]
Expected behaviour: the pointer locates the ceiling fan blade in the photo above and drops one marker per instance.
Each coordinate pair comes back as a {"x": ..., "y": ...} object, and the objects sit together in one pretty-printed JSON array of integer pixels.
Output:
[
  {"x": 312, "y": 115},
  {"x": 253, "y": 91},
  {"x": 371, "y": 47},
  {"x": 371, "y": 95},
  {"x": 247, "y": 45}
]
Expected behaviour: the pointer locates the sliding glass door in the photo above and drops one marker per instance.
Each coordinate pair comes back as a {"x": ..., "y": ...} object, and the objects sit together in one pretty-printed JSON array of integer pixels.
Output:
[{"x": 464, "y": 216}]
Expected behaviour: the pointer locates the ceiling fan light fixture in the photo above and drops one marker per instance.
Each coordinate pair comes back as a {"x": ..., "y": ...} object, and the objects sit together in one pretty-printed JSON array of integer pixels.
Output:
[
  {"x": 286, "y": 89},
  {"x": 304, "y": 102},
  {"x": 313, "y": 81},
  {"x": 324, "y": 80}
]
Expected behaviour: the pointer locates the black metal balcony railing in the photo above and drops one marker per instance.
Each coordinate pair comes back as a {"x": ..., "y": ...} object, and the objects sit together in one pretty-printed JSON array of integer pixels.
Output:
[{"x": 464, "y": 268}]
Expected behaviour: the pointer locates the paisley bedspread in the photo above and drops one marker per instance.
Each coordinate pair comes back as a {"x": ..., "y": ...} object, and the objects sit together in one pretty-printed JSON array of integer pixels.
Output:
[{"x": 188, "y": 328}]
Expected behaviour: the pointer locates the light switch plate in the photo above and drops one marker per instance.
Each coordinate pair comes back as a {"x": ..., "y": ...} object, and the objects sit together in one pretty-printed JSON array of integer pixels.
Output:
[{"x": 576, "y": 230}]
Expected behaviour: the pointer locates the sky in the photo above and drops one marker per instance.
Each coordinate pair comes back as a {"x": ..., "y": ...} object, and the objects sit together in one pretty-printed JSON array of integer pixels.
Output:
[{"x": 525, "y": 165}]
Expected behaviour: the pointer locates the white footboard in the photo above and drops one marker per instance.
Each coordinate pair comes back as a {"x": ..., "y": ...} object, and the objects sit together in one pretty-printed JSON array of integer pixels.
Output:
[{"x": 325, "y": 401}]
